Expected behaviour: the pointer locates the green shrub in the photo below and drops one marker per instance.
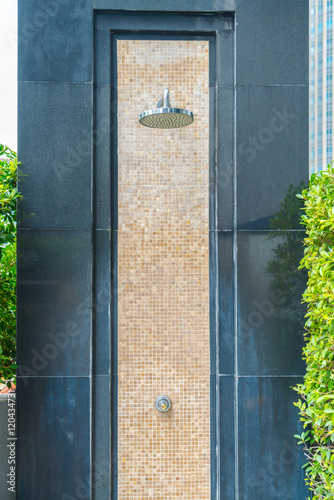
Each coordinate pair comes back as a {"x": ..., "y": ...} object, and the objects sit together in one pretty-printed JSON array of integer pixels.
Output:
[
  {"x": 8, "y": 199},
  {"x": 316, "y": 406}
]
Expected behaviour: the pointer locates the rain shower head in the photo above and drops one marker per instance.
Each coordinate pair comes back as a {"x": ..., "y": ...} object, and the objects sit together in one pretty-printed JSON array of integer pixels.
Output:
[{"x": 163, "y": 116}]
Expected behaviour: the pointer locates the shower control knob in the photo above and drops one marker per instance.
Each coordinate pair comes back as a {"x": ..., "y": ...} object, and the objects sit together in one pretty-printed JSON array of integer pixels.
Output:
[{"x": 163, "y": 404}]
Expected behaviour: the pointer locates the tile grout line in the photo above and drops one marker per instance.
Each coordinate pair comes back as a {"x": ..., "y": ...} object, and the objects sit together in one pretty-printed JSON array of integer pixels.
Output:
[
  {"x": 92, "y": 282},
  {"x": 52, "y": 376},
  {"x": 235, "y": 281},
  {"x": 217, "y": 423},
  {"x": 260, "y": 376}
]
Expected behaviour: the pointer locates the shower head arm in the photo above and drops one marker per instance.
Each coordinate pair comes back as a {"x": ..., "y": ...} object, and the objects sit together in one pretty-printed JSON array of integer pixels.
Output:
[{"x": 164, "y": 102}]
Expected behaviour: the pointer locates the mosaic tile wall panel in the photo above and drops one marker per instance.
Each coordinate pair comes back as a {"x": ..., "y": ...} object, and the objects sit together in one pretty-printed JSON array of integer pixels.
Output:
[{"x": 163, "y": 295}]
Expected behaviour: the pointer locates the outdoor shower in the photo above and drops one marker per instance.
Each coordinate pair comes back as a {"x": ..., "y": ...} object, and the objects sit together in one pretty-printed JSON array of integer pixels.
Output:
[{"x": 163, "y": 116}]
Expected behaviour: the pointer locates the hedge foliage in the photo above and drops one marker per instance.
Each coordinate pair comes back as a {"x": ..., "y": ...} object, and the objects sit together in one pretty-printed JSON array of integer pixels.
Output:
[
  {"x": 8, "y": 200},
  {"x": 316, "y": 405}
]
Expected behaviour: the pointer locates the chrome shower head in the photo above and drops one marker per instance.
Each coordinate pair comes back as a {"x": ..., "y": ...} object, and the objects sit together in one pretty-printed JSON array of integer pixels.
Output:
[{"x": 163, "y": 116}]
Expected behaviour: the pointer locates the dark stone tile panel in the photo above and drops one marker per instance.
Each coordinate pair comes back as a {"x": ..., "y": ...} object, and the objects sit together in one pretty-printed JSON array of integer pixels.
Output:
[
  {"x": 225, "y": 158},
  {"x": 213, "y": 285},
  {"x": 226, "y": 303},
  {"x": 270, "y": 313},
  {"x": 169, "y": 5},
  {"x": 105, "y": 166},
  {"x": 53, "y": 438},
  {"x": 270, "y": 461},
  {"x": 225, "y": 58},
  {"x": 55, "y": 41},
  {"x": 165, "y": 21},
  {"x": 54, "y": 146},
  {"x": 101, "y": 303},
  {"x": 114, "y": 303},
  {"x": 212, "y": 159},
  {"x": 102, "y": 46},
  {"x": 227, "y": 436},
  {"x": 272, "y": 152},
  {"x": 102, "y": 459},
  {"x": 272, "y": 42},
  {"x": 54, "y": 303},
  {"x": 214, "y": 459}
]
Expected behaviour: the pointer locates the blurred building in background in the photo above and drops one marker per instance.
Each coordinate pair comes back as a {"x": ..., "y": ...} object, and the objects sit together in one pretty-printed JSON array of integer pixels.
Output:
[{"x": 321, "y": 84}]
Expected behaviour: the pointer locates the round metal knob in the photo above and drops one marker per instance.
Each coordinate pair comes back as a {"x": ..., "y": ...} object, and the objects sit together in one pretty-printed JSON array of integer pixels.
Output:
[{"x": 163, "y": 404}]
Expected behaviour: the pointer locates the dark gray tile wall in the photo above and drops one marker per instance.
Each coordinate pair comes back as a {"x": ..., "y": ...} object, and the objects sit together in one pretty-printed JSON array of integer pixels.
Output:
[
  {"x": 55, "y": 41},
  {"x": 169, "y": 5},
  {"x": 270, "y": 314},
  {"x": 272, "y": 42},
  {"x": 102, "y": 455},
  {"x": 54, "y": 308},
  {"x": 67, "y": 330},
  {"x": 55, "y": 250},
  {"x": 55, "y": 149},
  {"x": 227, "y": 436},
  {"x": 270, "y": 462},
  {"x": 225, "y": 157},
  {"x": 270, "y": 153},
  {"x": 193, "y": 22},
  {"x": 101, "y": 305},
  {"x": 226, "y": 294},
  {"x": 105, "y": 180},
  {"x": 53, "y": 444},
  {"x": 271, "y": 156}
]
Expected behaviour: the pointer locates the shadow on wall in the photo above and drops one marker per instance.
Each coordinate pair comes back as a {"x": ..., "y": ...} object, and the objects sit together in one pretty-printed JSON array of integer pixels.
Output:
[{"x": 286, "y": 277}]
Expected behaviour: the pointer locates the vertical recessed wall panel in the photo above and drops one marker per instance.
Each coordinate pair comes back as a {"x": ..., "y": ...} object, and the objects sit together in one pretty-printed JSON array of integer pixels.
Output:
[{"x": 163, "y": 281}]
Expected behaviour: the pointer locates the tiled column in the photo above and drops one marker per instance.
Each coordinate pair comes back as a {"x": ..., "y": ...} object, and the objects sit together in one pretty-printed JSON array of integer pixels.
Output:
[{"x": 163, "y": 308}]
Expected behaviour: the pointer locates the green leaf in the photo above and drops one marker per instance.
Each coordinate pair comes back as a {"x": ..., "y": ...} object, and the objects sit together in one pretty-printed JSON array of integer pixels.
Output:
[
  {"x": 316, "y": 406},
  {"x": 8, "y": 201}
]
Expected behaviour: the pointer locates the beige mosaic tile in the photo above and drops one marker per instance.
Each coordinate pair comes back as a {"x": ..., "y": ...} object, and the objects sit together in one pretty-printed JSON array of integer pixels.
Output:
[{"x": 163, "y": 259}]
